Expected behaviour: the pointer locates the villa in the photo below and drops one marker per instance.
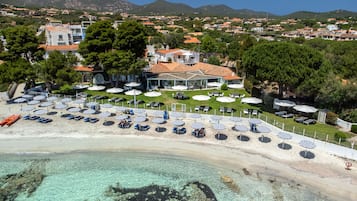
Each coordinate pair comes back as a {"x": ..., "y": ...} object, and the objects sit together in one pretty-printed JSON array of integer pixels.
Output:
[{"x": 177, "y": 67}]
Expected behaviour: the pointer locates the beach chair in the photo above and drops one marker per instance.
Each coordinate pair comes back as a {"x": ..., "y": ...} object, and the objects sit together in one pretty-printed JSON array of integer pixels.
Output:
[
  {"x": 229, "y": 110},
  {"x": 206, "y": 108},
  {"x": 246, "y": 111},
  {"x": 181, "y": 131},
  {"x": 255, "y": 113}
]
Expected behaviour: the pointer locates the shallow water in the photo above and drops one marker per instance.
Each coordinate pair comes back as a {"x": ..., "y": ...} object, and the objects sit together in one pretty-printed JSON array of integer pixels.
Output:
[{"x": 87, "y": 176}]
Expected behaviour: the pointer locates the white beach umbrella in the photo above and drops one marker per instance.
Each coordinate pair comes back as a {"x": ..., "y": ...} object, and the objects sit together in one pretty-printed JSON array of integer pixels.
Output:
[
  {"x": 60, "y": 106},
  {"x": 255, "y": 121},
  {"x": 195, "y": 115},
  {"x": 307, "y": 145},
  {"x": 284, "y": 136},
  {"x": 133, "y": 92},
  {"x": 241, "y": 128},
  {"x": 105, "y": 114},
  {"x": 177, "y": 114},
  {"x": 159, "y": 113},
  {"x": 20, "y": 100},
  {"x": 79, "y": 101},
  {"x": 252, "y": 100},
  {"x": 27, "y": 108},
  {"x": 225, "y": 99},
  {"x": 152, "y": 94},
  {"x": 235, "y": 86},
  {"x": 74, "y": 109},
  {"x": 305, "y": 108},
  {"x": 263, "y": 129},
  {"x": 132, "y": 84},
  {"x": 235, "y": 119},
  {"x": 52, "y": 98},
  {"x": 214, "y": 84},
  {"x": 178, "y": 122},
  {"x": 106, "y": 105},
  {"x": 89, "y": 111},
  {"x": 33, "y": 102},
  {"x": 114, "y": 90},
  {"x": 122, "y": 117},
  {"x": 197, "y": 125},
  {"x": 96, "y": 88},
  {"x": 139, "y": 119},
  {"x": 66, "y": 100},
  {"x": 284, "y": 103},
  {"x": 201, "y": 97},
  {"x": 158, "y": 120},
  {"x": 40, "y": 112},
  {"x": 216, "y": 118},
  {"x": 46, "y": 104},
  {"x": 219, "y": 126},
  {"x": 179, "y": 87},
  {"x": 27, "y": 96},
  {"x": 39, "y": 97},
  {"x": 80, "y": 86}
]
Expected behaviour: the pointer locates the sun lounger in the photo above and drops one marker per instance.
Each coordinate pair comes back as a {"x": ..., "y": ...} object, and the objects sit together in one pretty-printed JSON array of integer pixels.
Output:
[
  {"x": 280, "y": 113},
  {"x": 309, "y": 121},
  {"x": 300, "y": 119},
  {"x": 288, "y": 115},
  {"x": 206, "y": 108},
  {"x": 255, "y": 112},
  {"x": 229, "y": 110},
  {"x": 246, "y": 111}
]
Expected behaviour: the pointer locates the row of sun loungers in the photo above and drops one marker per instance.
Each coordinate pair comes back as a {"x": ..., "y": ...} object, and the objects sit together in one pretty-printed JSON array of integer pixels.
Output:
[
  {"x": 38, "y": 119},
  {"x": 116, "y": 100},
  {"x": 72, "y": 117},
  {"x": 250, "y": 111},
  {"x": 226, "y": 109},
  {"x": 154, "y": 104},
  {"x": 202, "y": 108},
  {"x": 305, "y": 120},
  {"x": 179, "y": 130}
]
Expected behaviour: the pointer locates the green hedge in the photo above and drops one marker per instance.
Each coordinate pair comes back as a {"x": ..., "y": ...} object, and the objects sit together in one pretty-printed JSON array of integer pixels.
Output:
[
  {"x": 354, "y": 129},
  {"x": 340, "y": 135}
]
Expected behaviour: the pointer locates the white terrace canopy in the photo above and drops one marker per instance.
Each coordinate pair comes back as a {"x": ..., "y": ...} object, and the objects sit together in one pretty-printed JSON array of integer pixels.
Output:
[{"x": 192, "y": 80}]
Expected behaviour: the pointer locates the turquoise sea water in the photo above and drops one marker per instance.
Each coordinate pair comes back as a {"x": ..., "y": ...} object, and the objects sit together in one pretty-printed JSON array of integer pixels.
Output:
[{"x": 87, "y": 176}]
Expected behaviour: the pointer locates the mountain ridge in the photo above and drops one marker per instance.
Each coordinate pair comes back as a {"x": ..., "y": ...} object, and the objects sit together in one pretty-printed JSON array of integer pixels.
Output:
[{"x": 163, "y": 7}]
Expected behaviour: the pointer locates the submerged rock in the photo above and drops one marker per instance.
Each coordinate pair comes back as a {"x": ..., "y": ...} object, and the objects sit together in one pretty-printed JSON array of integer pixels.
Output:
[
  {"x": 230, "y": 183},
  {"x": 190, "y": 192},
  {"x": 24, "y": 182}
]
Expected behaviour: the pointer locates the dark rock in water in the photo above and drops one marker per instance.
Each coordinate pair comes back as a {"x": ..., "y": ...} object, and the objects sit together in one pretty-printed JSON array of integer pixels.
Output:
[
  {"x": 24, "y": 182},
  {"x": 191, "y": 191},
  {"x": 246, "y": 172}
]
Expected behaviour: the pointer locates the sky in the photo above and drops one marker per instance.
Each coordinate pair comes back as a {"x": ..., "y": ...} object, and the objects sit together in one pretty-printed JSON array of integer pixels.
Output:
[{"x": 279, "y": 7}]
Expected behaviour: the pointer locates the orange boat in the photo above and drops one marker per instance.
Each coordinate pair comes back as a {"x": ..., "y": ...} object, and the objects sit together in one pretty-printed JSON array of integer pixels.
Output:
[{"x": 10, "y": 120}]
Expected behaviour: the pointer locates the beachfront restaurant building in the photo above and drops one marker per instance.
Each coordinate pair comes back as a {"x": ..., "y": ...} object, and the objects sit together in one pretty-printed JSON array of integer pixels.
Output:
[{"x": 167, "y": 75}]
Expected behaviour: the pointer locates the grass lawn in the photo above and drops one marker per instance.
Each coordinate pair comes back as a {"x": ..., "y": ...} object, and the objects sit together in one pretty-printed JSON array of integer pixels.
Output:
[{"x": 318, "y": 131}]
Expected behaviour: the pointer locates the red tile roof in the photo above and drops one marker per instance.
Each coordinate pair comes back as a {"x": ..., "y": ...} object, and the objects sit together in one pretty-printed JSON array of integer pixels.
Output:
[
  {"x": 83, "y": 69},
  {"x": 60, "y": 47},
  {"x": 207, "y": 69},
  {"x": 192, "y": 40}
]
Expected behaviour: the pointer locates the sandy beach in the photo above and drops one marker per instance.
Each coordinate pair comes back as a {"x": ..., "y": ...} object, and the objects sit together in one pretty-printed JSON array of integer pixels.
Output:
[{"x": 325, "y": 173}]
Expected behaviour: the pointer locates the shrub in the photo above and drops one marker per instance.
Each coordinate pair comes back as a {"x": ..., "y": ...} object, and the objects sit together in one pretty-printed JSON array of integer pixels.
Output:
[
  {"x": 354, "y": 128},
  {"x": 340, "y": 135},
  {"x": 224, "y": 87},
  {"x": 66, "y": 89},
  {"x": 349, "y": 115},
  {"x": 331, "y": 118}
]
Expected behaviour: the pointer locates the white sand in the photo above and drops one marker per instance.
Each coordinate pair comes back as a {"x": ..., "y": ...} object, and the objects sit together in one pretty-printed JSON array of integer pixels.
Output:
[{"x": 325, "y": 172}]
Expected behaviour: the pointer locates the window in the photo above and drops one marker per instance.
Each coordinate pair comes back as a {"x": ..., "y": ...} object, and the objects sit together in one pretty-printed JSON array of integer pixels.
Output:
[{"x": 60, "y": 37}]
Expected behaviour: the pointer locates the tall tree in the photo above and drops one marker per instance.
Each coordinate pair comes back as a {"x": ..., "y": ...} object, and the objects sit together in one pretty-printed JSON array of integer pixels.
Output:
[
  {"x": 99, "y": 38},
  {"x": 286, "y": 63},
  {"x": 120, "y": 62},
  {"x": 16, "y": 71},
  {"x": 131, "y": 36},
  {"x": 21, "y": 42}
]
